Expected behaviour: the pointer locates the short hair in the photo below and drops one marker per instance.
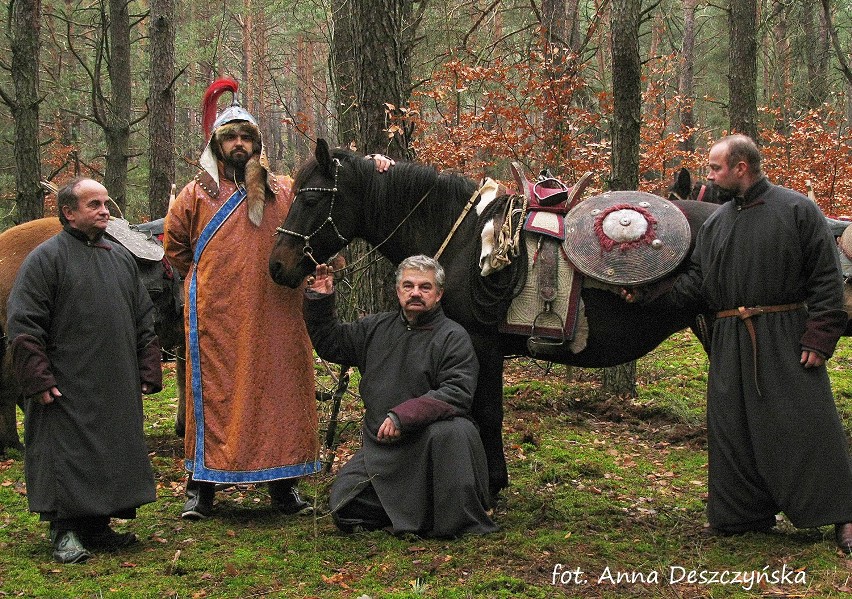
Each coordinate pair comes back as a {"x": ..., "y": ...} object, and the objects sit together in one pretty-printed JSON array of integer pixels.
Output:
[
  {"x": 67, "y": 196},
  {"x": 742, "y": 148},
  {"x": 423, "y": 264}
]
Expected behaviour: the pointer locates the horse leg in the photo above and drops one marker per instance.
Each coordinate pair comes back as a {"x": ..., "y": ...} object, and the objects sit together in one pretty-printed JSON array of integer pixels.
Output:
[
  {"x": 10, "y": 396},
  {"x": 487, "y": 409}
]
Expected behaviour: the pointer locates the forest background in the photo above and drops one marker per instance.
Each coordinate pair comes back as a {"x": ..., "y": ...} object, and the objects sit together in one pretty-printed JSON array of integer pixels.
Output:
[{"x": 112, "y": 88}]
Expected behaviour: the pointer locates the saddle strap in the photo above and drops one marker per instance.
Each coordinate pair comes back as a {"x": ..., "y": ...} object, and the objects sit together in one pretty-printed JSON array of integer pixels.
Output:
[
  {"x": 746, "y": 314},
  {"x": 547, "y": 270}
]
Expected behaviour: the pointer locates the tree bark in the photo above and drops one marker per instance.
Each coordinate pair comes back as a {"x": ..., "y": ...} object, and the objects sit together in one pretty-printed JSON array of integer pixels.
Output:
[
  {"x": 686, "y": 81},
  {"x": 378, "y": 38},
  {"x": 161, "y": 117},
  {"x": 117, "y": 129},
  {"x": 343, "y": 72},
  {"x": 25, "y": 31},
  {"x": 742, "y": 74},
  {"x": 383, "y": 72},
  {"x": 817, "y": 46},
  {"x": 626, "y": 124}
]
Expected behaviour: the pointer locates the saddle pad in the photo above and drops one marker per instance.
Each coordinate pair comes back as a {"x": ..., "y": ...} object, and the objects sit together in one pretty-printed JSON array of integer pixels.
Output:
[
  {"x": 626, "y": 237},
  {"x": 527, "y": 316},
  {"x": 138, "y": 243},
  {"x": 546, "y": 223}
]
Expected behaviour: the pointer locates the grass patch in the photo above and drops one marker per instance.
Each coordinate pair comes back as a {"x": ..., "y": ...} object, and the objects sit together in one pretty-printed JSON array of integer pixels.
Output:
[{"x": 607, "y": 500}]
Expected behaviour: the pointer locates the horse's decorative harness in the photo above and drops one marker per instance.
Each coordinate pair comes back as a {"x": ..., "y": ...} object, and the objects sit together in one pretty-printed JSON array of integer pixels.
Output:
[{"x": 307, "y": 250}]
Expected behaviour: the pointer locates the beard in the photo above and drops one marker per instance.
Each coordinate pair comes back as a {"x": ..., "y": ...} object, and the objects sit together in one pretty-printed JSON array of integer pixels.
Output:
[{"x": 237, "y": 159}]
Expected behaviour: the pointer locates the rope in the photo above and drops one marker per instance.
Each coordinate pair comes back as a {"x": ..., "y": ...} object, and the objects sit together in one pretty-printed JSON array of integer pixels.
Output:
[{"x": 491, "y": 296}]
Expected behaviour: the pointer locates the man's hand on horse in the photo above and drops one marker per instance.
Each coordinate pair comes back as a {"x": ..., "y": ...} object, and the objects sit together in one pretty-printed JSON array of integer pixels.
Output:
[
  {"x": 383, "y": 163},
  {"x": 631, "y": 295},
  {"x": 323, "y": 280}
]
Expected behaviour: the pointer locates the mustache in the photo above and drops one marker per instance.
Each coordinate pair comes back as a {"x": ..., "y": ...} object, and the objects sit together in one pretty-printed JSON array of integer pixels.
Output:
[{"x": 415, "y": 300}]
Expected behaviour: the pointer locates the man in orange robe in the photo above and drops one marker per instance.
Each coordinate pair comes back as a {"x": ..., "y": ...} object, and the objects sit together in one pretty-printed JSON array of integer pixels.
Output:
[{"x": 251, "y": 411}]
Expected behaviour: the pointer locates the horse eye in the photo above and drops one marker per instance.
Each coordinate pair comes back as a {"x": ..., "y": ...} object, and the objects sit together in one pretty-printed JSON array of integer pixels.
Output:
[{"x": 311, "y": 198}]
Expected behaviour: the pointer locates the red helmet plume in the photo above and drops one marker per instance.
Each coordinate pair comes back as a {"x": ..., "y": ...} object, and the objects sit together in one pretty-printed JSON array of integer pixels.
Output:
[{"x": 211, "y": 97}]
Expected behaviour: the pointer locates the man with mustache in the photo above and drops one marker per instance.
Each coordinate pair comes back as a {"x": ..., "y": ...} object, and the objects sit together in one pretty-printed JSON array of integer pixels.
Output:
[{"x": 422, "y": 467}]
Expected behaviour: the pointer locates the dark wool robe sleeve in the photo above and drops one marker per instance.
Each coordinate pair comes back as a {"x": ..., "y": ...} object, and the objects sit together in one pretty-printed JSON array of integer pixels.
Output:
[
  {"x": 29, "y": 309},
  {"x": 148, "y": 351},
  {"x": 333, "y": 340},
  {"x": 823, "y": 282}
]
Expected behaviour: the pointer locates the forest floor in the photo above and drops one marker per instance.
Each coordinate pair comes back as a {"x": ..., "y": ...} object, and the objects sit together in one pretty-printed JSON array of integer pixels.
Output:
[{"x": 607, "y": 499}]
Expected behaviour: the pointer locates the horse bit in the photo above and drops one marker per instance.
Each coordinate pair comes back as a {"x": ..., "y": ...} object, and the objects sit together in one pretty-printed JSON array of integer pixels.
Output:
[{"x": 307, "y": 250}]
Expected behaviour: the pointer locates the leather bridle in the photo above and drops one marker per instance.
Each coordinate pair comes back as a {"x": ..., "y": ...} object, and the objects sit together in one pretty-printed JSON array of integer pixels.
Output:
[{"x": 307, "y": 250}]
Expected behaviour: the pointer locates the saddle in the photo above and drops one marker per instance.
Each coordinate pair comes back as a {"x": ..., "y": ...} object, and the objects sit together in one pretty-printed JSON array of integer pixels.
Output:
[
  {"x": 546, "y": 309},
  {"x": 140, "y": 242},
  {"x": 616, "y": 239}
]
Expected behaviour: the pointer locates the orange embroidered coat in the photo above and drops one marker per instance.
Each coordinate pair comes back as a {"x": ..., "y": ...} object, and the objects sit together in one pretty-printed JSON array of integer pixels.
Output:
[{"x": 251, "y": 413}]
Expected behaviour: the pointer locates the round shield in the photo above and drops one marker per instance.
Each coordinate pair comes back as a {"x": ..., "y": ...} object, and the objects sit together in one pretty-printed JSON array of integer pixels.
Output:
[
  {"x": 138, "y": 243},
  {"x": 626, "y": 237}
]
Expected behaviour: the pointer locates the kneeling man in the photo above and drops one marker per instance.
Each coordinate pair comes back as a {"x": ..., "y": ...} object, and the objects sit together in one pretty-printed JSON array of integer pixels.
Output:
[{"x": 422, "y": 467}]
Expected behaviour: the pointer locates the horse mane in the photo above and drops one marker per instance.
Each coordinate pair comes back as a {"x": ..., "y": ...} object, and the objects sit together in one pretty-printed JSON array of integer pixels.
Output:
[{"x": 391, "y": 196}]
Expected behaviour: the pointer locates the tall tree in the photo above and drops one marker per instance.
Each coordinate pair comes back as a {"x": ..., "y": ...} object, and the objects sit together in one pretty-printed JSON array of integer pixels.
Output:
[
  {"x": 742, "y": 67},
  {"x": 384, "y": 41},
  {"x": 626, "y": 124},
  {"x": 24, "y": 29},
  {"x": 342, "y": 57},
  {"x": 686, "y": 81},
  {"x": 378, "y": 39},
  {"x": 817, "y": 48},
  {"x": 115, "y": 114},
  {"x": 161, "y": 102}
]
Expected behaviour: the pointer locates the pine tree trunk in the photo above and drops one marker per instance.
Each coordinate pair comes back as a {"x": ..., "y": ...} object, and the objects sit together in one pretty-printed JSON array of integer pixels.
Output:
[
  {"x": 161, "y": 105},
  {"x": 742, "y": 74},
  {"x": 25, "y": 30},
  {"x": 686, "y": 82},
  {"x": 117, "y": 130},
  {"x": 626, "y": 123}
]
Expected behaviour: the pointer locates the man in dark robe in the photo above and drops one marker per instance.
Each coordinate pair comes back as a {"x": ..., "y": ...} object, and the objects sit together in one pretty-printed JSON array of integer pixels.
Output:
[
  {"x": 84, "y": 350},
  {"x": 767, "y": 265},
  {"x": 422, "y": 468}
]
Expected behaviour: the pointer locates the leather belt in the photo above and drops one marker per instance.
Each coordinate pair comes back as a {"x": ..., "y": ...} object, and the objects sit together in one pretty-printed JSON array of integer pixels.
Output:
[{"x": 745, "y": 314}]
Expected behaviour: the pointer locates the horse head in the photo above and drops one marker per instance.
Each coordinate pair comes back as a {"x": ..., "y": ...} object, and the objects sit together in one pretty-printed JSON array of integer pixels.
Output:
[
  {"x": 684, "y": 189},
  {"x": 319, "y": 223}
]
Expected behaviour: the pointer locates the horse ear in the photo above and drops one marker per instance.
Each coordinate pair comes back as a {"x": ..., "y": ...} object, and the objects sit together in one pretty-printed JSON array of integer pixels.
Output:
[
  {"x": 683, "y": 182},
  {"x": 323, "y": 155}
]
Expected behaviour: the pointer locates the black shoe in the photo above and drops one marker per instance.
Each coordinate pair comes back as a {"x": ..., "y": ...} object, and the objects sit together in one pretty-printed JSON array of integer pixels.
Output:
[
  {"x": 843, "y": 537},
  {"x": 67, "y": 548},
  {"x": 197, "y": 507},
  {"x": 108, "y": 540},
  {"x": 199, "y": 502},
  {"x": 291, "y": 503}
]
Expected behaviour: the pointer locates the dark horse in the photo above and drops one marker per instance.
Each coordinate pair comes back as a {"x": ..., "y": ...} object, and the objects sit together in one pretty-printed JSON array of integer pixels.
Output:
[
  {"x": 702, "y": 191},
  {"x": 410, "y": 210}
]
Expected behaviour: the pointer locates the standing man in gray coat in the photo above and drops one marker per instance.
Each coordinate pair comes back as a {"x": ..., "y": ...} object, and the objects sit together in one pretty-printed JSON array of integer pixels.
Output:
[
  {"x": 766, "y": 264},
  {"x": 84, "y": 351}
]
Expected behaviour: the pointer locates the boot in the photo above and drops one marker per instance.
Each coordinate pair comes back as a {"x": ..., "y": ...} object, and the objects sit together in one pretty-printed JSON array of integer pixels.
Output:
[{"x": 199, "y": 502}]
